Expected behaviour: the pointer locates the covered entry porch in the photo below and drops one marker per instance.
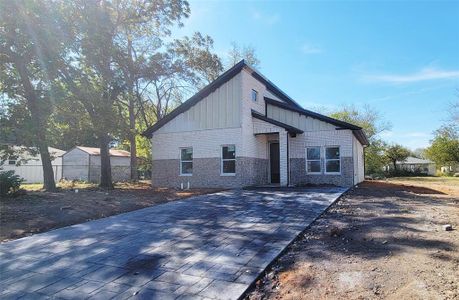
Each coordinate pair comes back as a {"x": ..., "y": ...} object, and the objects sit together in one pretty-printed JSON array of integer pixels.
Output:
[{"x": 274, "y": 136}]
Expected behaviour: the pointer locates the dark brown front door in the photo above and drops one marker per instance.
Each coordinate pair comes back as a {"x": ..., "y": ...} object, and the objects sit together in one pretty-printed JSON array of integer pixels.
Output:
[{"x": 274, "y": 162}]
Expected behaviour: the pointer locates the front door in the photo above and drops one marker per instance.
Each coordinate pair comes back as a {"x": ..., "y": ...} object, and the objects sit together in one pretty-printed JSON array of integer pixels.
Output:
[{"x": 274, "y": 166}]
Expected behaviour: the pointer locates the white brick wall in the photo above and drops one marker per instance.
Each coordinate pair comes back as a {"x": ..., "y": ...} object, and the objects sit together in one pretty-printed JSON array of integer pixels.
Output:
[
  {"x": 283, "y": 157},
  {"x": 205, "y": 143},
  {"x": 342, "y": 138}
]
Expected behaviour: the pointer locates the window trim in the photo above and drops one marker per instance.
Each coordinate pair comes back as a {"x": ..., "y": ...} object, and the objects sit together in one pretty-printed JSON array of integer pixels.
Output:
[
  {"x": 256, "y": 95},
  {"x": 325, "y": 160},
  {"x": 12, "y": 160},
  {"x": 182, "y": 161},
  {"x": 227, "y": 159},
  {"x": 319, "y": 160}
]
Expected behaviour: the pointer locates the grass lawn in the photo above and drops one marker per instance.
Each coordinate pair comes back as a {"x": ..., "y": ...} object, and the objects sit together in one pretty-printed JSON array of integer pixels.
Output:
[
  {"x": 76, "y": 202},
  {"x": 80, "y": 185},
  {"x": 448, "y": 185}
]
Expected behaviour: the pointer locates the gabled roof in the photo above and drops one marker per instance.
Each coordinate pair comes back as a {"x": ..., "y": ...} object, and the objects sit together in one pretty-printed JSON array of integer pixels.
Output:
[
  {"x": 24, "y": 152},
  {"x": 358, "y": 132},
  {"x": 222, "y": 79},
  {"x": 288, "y": 103},
  {"x": 312, "y": 114},
  {"x": 96, "y": 151},
  {"x": 290, "y": 129},
  {"x": 415, "y": 160}
]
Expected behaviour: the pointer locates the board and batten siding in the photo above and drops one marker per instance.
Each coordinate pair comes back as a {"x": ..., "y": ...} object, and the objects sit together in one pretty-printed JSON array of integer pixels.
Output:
[
  {"x": 254, "y": 146},
  {"x": 297, "y": 120},
  {"x": 220, "y": 109}
]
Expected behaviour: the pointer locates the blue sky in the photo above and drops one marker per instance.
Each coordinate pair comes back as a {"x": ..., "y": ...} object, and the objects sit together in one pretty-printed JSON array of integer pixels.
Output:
[{"x": 400, "y": 58}]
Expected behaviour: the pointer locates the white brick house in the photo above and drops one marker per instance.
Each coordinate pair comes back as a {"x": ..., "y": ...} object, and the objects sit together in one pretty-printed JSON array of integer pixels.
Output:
[{"x": 241, "y": 130}]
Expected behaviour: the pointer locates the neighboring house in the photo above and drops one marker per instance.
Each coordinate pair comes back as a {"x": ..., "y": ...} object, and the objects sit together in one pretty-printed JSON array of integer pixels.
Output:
[
  {"x": 414, "y": 164},
  {"x": 28, "y": 165},
  {"x": 83, "y": 163},
  {"x": 450, "y": 169},
  {"x": 241, "y": 130}
]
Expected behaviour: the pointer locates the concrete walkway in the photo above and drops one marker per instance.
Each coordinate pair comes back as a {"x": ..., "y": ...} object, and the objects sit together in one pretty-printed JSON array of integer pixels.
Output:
[{"x": 205, "y": 247}]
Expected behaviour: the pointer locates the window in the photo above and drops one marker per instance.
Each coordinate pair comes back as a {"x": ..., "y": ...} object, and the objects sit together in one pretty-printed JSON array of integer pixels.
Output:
[
  {"x": 254, "y": 95},
  {"x": 186, "y": 161},
  {"x": 228, "y": 160},
  {"x": 12, "y": 162},
  {"x": 332, "y": 160},
  {"x": 313, "y": 165}
]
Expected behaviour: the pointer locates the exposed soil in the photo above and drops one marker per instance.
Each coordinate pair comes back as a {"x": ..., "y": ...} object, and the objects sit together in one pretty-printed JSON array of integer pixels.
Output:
[
  {"x": 39, "y": 211},
  {"x": 380, "y": 241}
]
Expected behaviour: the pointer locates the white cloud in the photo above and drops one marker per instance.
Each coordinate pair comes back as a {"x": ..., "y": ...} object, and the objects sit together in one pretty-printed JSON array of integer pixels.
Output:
[
  {"x": 269, "y": 19},
  {"x": 310, "y": 49},
  {"x": 422, "y": 75},
  {"x": 408, "y": 93}
]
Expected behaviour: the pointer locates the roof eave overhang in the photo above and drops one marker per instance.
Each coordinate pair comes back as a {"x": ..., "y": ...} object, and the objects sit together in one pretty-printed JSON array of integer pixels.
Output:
[{"x": 357, "y": 131}]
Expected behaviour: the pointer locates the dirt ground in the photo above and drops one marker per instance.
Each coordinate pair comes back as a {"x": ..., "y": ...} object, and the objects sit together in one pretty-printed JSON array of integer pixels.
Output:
[
  {"x": 380, "y": 241},
  {"x": 38, "y": 211}
]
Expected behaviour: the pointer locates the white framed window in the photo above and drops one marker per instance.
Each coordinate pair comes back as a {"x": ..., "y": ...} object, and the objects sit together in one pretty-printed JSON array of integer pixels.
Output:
[
  {"x": 186, "y": 161},
  {"x": 313, "y": 161},
  {"x": 332, "y": 160},
  {"x": 254, "y": 95},
  {"x": 228, "y": 165},
  {"x": 11, "y": 162}
]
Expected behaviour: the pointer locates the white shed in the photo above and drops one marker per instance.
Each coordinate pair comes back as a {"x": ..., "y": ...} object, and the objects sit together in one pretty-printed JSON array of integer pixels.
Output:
[
  {"x": 83, "y": 163},
  {"x": 28, "y": 165}
]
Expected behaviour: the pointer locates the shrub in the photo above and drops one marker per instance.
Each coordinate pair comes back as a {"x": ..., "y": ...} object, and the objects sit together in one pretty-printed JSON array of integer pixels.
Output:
[
  {"x": 9, "y": 183},
  {"x": 405, "y": 173}
]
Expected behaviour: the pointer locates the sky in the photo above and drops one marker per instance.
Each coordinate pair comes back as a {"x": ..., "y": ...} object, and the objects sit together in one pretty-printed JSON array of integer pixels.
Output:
[{"x": 401, "y": 58}]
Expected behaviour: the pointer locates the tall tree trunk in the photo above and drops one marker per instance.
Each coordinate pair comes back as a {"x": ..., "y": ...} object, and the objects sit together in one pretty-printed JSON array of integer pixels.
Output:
[
  {"x": 131, "y": 109},
  {"x": 39, "y": 131},
  {"x": 48, "y": 173},
  {"x": 105, "y": 166},
  {"x": 395, "y": 164},
  {"x": 132, "y": 134}
]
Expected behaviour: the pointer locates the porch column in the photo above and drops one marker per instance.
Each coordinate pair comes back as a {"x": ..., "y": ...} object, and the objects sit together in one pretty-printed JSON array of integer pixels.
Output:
[{"x": 283, "y": 157}]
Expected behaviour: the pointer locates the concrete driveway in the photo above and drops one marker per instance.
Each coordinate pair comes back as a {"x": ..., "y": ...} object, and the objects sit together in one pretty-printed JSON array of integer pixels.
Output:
[{"x": 205, "y": 247}]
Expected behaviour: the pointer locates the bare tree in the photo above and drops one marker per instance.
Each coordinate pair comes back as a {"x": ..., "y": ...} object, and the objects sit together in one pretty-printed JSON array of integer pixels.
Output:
[{"x": 238, "y": 53}]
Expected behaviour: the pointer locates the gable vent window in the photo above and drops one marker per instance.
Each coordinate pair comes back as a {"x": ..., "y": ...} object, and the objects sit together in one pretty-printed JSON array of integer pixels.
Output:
[
  {"x": 228, "y": 160},
  {"x": 186, "y": 161},
  {"x": 254, "y": 95}
]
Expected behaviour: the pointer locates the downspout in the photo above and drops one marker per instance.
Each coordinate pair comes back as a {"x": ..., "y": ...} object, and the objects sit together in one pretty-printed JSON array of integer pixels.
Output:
[
  {"x": 364, "y": 166},
  {"x": 89, "y": 168},
  {"x": 353, "y": 162},
  {"x": 288, "y": 161}
]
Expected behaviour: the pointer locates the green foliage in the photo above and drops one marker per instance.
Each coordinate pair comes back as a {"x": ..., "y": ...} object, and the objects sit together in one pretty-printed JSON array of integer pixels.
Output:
[
  {"x": 367, "y": 118},
  {"x": 374, "y": 157},
  {"x": 9, "y": 183},
  {"x": 444, "y": 148},
  {"x": 396, "y": 153},
  {"x": 405, "y": 173},
  {"x": 372, "y": 124}
]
